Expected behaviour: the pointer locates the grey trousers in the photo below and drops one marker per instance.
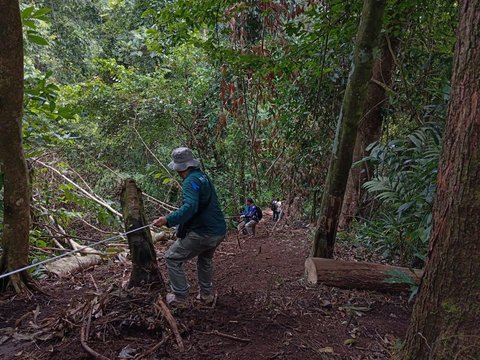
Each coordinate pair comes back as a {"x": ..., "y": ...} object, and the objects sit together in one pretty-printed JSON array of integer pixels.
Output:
[
  {"x": 185, "y": 249},
  {"x": 248, "y": 228}
]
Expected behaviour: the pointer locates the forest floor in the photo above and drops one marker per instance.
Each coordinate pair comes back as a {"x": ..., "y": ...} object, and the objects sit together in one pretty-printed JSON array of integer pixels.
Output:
[{"x": 264, "y": 310}]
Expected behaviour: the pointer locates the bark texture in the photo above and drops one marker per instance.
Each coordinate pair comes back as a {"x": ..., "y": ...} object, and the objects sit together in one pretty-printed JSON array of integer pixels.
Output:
[
  {"x": 12, "y": 159},
  {"x": 350, "y": 114},
  {"x": 444, "y": 323},
  {"x": 369, "y": 131},
  {"x": 73, "y": 264},
  {"x": 357, "y": 275},
  {"x": 144, "y": 262}
]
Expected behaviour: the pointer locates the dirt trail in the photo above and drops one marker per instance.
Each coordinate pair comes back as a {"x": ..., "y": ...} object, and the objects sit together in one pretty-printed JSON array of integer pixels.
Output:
[{"x": 264, "y": 310}]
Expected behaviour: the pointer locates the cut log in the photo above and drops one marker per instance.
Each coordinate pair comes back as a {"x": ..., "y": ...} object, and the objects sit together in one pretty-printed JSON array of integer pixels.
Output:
[
  {"x": 144, "y": 261},
  {"x": 360, "y": 275},
  {"x": 72, "y": 264}
]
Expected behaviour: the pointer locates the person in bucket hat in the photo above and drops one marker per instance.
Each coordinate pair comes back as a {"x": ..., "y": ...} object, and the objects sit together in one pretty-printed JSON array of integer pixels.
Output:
[
  {"x": 201, "y": 228},
  {"x": 182, "y": 159}
]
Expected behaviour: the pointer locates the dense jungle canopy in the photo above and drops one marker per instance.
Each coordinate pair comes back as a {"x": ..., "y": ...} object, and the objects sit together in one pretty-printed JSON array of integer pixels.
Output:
[
  {"x": 255, "y": 88},
  {"x": 270, "y": 97}
]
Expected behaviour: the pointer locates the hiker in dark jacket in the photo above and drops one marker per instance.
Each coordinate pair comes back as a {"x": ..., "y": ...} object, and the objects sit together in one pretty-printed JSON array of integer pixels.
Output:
[
  {"x": 249, "y": 218},
  {"x": 203, "y": 225}
]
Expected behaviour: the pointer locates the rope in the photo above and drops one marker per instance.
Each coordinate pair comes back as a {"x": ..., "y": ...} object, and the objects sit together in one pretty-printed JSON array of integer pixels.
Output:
[{"x": 71, "y": 252}]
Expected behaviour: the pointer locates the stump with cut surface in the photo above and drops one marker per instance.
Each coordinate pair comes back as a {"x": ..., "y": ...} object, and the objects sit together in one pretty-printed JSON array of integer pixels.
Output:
[
  {"x": 144, "y": 262},
  {"x": 358, "y": 275}
]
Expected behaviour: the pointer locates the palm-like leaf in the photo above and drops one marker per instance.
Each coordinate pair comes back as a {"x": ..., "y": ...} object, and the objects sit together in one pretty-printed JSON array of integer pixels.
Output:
[{"x": 404, "y": 185}]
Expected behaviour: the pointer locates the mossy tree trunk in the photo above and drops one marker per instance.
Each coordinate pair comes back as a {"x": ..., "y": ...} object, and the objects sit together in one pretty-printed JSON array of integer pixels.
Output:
[
  {"x": 144, "y": 261},
  {"x": 369, "y": 131},
  {"x": 444, "y": 323},
  {"x": 13, "y": 165},
  {"x": 352, "y": 110}
]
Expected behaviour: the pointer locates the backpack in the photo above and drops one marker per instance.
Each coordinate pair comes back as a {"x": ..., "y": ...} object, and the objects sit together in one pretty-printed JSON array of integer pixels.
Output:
[{"x": 259, "y": 213}]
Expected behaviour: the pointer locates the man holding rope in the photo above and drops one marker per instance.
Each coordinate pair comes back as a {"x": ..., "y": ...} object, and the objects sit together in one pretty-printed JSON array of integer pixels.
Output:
[{"x": 201, "y": 228}]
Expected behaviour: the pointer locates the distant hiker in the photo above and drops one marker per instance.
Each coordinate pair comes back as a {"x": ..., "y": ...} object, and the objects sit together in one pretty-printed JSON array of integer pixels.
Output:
[
  {"x": 201, "y": 228},
  {"x": 249, "y": 218},
  {"x": 276, "y": 207},
  {"x": 273, "y": 207},
  {"x": 279, "y": 210}
]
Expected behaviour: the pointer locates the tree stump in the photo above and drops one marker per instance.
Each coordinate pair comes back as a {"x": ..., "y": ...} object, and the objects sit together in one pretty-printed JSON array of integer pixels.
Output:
[
  {"x": 144, "y": 262},
  {"x": 359, "y": 275}
]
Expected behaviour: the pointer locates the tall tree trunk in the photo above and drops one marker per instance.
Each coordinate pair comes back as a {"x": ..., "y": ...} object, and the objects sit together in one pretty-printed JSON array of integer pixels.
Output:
[
  {"x": 352, "y": 109},
  {"x": 369, "y": 131},
  {"x": 12, "y": 159},
  {"x": 444, "y": 323},
  {"x": 144, "y": 261}
]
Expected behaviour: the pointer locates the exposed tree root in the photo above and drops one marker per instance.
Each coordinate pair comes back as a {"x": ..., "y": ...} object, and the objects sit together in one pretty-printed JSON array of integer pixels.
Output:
[{"x": 21, "y": 282}]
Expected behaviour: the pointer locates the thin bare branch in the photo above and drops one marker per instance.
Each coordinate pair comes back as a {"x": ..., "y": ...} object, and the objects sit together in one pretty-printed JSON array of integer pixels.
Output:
[
  {"x": 155, "y": 157},
  {"x": 162, "y": 204},
  {"x": 93, "y": 197}
]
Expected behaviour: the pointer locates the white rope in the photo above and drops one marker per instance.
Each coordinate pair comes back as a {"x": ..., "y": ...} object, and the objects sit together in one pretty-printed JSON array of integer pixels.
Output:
[{"x": 71, "y": 252}]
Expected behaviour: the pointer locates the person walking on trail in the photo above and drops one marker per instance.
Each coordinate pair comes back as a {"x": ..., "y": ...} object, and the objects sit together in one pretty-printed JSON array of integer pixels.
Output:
[
  {"x": 201, "y": 228},
  {"x": 249, "y": 218},
  {"x": 276, "y": 207}
]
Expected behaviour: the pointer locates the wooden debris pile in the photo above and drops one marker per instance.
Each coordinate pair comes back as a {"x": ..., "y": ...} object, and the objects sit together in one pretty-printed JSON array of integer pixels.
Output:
[{"x": 117, "y": 315}]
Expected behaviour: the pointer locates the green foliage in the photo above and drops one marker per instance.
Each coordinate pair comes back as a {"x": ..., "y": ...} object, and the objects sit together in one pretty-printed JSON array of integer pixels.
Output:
[
  {"x": 32, "y": 19},
  {"x": 421, "y": 88},
  {"x": 254, "y": 88},
  {"x": 61, "y": 206},
  {"x": 277, "y": 104},
  {"x": 46, "y": 124},
  {"x": 136, "y": 112},
  {"x": 404, "y": 186}
]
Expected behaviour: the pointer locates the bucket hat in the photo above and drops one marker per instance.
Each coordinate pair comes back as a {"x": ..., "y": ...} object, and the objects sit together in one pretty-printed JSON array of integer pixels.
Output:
[{"x": 183, "y": 159}]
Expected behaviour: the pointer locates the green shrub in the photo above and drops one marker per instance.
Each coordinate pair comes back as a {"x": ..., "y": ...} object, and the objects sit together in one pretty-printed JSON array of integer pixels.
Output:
[{"x": 404, "y": 187}]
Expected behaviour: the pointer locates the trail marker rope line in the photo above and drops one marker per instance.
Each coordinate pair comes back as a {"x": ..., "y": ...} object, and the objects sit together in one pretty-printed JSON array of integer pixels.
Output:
[{"x": 46, "y": 261}]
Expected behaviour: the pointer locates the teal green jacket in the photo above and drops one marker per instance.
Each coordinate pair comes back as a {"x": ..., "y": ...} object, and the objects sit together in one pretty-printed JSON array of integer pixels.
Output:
[{"x": 196, "y": 190}]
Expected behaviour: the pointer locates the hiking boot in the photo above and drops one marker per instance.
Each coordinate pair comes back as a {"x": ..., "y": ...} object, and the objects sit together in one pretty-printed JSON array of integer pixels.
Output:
[
  {"x": 206, "y": 299},
  {"x": 175, "y": 302}
]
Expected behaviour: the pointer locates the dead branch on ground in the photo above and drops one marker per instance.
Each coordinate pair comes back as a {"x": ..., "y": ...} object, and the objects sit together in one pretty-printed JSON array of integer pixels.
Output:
[
  {"x": 160, "y": 305},
  {"x": 227, "y": 336}
]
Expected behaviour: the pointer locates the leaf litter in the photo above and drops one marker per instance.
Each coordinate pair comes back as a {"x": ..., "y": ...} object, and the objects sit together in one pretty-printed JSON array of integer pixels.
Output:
[{"x": 265, "y": 310}]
